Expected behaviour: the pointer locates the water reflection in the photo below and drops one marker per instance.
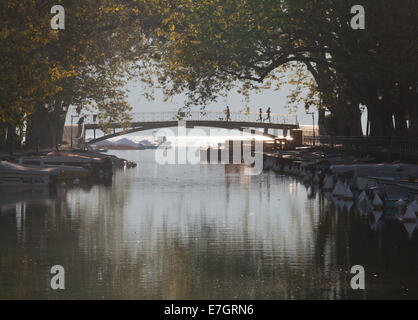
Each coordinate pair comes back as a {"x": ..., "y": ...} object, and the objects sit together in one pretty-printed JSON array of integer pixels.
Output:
[{"x": 199, "y": 232}]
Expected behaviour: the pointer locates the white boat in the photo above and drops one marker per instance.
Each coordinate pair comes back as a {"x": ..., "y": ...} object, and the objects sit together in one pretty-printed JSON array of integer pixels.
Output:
[
  {"x": 59, "y": 158},
  {"x": 348, "y": 205},
  {"x": 347, "y": 194},
  {"x": 93, "y": 162},
  {"x": 377, "y": 214},
  {"x": 377, "y": 202},
  {"x": 329, "y": 183},
  {"x": 15, "y": 175},
  {"x": 66, "y": 171},
  {"x": 362, "y": 198},
  {"x": 410, "y": 228},
  {"x": 410, "y": 215},
  {"x": 339, "y": 189},
  {"x": 414, "y": 206},
  {"x": 361, "y": 183},
  {"x": 400, "y": 205}
]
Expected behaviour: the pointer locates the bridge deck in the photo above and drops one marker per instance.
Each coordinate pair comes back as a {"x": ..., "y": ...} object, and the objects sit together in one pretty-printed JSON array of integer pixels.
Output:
[
  {"x": 247, "y": 119},
  {"x": 202, "y": 123}
]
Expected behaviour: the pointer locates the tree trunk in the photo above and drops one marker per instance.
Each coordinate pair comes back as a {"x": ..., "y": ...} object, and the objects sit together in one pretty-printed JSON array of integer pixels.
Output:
[
  {"x": 353, "y": 121},
  {"x": 45, "y": 129},
  {"x": 413, "y": 115},
  {"x": 2, "y": 135},
  {"x": 381, "y": 123},
  {"x": 11, "y": 141},
  {"x": 39, "y": 133},
  {"x": 321, "y": 122}
]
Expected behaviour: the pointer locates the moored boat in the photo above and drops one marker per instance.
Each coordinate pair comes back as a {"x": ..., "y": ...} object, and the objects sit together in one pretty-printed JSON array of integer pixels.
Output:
[
  {"x": 65, "y": 171},
  {"x": 72, "y": 165},
  {"x": 338, "y": 190},
  {"x": 410, "y": 215},
  {"x": 377, "y": 202},
  {"x": 15, "y": 175},
  {"x": 328, "y": 183}
]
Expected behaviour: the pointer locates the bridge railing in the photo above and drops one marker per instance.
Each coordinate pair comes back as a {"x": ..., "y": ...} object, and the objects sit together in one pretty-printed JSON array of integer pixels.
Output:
[{"x": 275, "y": 118}]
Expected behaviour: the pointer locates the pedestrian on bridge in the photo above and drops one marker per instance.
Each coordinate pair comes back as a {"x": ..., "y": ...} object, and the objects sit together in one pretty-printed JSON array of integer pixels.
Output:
[
  {"x": 260, "y": 115},
  {"x": 228, "y": 114},
  {"x": 268, "y": 114}
]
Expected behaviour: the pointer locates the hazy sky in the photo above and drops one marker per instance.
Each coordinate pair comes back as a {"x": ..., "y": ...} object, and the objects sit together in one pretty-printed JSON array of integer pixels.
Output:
[{"x": 276, "y": 100}]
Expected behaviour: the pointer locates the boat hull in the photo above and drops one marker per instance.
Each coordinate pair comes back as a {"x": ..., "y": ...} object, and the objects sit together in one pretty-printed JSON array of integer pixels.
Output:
[{"x": 20, "y": 180}]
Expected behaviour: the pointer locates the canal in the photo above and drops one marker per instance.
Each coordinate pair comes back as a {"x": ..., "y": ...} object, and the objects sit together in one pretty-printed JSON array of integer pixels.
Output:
[{"x": 198, "y": 232}]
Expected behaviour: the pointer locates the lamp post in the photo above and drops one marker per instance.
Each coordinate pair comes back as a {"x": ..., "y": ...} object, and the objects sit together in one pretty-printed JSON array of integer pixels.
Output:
[
  {"x": 94, "y": 130},
  {"x": 64, "y": 110},
  {"x": 313, "y": 122},
  {"x": 71, "y": 129}
]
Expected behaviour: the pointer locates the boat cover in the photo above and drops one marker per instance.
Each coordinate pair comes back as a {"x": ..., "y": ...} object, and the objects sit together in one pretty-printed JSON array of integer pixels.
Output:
[{"x": 8, "y": 167}]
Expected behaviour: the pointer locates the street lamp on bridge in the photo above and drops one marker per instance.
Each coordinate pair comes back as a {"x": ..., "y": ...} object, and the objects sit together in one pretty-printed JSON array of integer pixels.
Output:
[{"x": 313, "y": 122}]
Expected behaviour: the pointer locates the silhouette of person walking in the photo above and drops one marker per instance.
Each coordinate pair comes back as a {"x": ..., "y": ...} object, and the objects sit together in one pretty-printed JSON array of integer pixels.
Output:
[
  {"x": 260, "y": 115},
  {"x": 268, "y": 114},
  {"x": 228, "y": 114}
]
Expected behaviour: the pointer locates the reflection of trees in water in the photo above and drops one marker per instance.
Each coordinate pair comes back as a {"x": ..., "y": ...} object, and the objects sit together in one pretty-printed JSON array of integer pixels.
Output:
[
  {"x": 75, "y": 229},
  {"x": 389, "y": 257},
  {"x": 208, "y": 261},
  {"x": 29, "y": 231},
  {"x": 101, "y": 251},
  {"x": 259, "y": 238}
]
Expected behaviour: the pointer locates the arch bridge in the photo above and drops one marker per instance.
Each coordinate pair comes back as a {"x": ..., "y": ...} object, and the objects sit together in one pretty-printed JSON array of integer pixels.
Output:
[{"x": 156, "y": 120}]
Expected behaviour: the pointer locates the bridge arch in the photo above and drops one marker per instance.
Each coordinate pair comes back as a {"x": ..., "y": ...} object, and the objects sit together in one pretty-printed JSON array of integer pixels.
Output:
[
  {"x": 236, "y": 121},
  {"x": 145, "y": 128}
]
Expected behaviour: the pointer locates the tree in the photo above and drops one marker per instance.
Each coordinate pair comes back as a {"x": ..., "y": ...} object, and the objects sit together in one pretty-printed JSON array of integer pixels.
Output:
[
  {"x": 207, "y": 46},
  {"x": 43, "y": 71}
]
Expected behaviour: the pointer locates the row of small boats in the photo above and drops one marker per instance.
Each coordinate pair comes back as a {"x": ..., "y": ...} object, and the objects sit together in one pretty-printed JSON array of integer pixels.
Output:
[
  {"x": 390, "y": 194},
  {"x": 46, "y": 170},
  {"x": 15, "y": 175}
]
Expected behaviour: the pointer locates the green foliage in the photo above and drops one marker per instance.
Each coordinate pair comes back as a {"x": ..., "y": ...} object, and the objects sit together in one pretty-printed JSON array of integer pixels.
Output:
[
  {"x": 204, "y": 48},
  {"x": 85, "y": 65},
  {"x": 207, "y": 47}
]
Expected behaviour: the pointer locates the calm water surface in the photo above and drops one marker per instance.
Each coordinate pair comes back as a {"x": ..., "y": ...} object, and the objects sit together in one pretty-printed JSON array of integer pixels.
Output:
[{"x": 198, "y": 232}]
